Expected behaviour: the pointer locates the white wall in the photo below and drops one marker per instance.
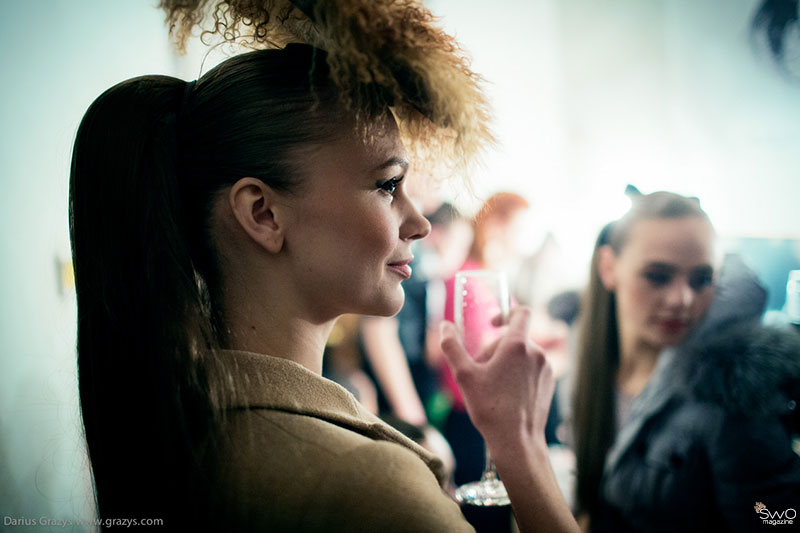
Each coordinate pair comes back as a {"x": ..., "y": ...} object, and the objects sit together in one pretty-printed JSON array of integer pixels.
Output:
[
  {"x": 664, "y": 94},
  {"x": 56, "y": 56}
]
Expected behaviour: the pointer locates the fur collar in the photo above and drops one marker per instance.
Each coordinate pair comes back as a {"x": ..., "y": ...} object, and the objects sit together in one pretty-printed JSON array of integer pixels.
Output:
[{"x": 746, "y": 368}]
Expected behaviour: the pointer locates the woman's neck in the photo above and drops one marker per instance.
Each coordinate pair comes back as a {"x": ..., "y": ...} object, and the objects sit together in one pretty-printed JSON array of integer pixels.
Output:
[
  {"x": 637, "y": 361},
  {"x": 266, "y": 327}
]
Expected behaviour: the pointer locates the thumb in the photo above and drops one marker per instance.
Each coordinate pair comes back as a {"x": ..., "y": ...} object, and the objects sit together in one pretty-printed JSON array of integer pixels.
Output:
[{"x": 453, "y": 349}]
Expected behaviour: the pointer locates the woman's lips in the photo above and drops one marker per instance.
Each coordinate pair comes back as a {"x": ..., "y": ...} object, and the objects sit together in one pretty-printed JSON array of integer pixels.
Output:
[
  {"x": 673, "y": 326},
  {"x": 402, "y": 268}
]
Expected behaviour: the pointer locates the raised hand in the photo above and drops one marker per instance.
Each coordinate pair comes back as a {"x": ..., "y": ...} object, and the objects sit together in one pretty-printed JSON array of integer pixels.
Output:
[
  {"x": 507, "y": 390},
  {"x": 508, "y": 387}
]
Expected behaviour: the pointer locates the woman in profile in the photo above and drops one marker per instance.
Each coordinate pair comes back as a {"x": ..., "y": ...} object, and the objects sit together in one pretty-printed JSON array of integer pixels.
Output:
[
  {"x": 219, "y": 227},
  {"x": 683, "y": 403}
]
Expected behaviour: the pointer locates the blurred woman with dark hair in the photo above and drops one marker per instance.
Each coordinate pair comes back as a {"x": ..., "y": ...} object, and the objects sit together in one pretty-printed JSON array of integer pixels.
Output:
[{"x": 681, "y": 401}]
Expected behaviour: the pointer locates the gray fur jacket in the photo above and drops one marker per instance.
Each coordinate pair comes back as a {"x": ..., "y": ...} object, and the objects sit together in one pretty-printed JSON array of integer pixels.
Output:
[{"x": 709, "y": 442}]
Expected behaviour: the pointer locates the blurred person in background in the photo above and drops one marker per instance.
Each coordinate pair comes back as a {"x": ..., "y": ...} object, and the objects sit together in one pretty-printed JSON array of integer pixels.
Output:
[
  {"x": 342, "y": 362},
  {"x": 683, "y": 403},
  {"x": 498, "y": 229}
]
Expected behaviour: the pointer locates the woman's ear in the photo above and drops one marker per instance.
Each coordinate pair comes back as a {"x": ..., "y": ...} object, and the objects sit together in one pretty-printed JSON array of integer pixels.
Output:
[
  {"x": 254, "y": 205},
  {"x": 606, "y": 260}
]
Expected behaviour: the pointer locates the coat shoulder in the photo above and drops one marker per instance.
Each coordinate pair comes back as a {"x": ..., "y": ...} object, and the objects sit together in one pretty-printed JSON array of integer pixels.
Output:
[
  {"x": 288, "y": 472},
  {"x": 745, "y": 369}
]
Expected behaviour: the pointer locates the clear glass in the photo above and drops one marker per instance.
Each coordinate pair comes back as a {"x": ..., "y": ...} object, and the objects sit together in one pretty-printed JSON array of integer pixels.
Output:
[{"x": 479, "y": 296}]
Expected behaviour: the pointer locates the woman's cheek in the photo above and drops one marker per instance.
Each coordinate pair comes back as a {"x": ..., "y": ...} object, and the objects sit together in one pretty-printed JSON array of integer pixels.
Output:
[
  {"x": 641, "y": 297},
  {"x": 704, "y": 302}
]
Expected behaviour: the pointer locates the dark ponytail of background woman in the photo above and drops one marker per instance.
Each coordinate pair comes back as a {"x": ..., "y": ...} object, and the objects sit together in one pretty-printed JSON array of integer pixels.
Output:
[{"x": 593, "y": 410}]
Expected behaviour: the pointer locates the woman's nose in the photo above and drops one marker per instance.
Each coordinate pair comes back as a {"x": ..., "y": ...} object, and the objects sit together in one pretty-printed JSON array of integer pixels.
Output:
[
  {"x": 414, "y": 225},
  {"x": 680, "y": 294}
]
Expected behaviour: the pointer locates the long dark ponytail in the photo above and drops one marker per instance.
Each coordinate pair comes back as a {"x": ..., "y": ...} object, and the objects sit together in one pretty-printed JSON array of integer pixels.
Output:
[
  {"x": 598, "y": 359},
  {"x": 150, "y": 156},
  {"x": 139, "y": 308}
]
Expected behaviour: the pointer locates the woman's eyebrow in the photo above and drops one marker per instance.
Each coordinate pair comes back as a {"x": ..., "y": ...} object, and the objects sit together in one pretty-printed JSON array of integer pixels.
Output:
[
  {"x": 394, "y": 161},
  {"x": 660, "y": 265}
]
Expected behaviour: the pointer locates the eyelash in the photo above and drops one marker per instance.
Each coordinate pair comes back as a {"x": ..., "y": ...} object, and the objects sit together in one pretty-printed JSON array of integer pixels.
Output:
[
  {"x": 658, "y": 279},
  {"x": 697, "y": 282},
  {"x": 390, "y": 186},
  {"x": 701, "y": 281}
]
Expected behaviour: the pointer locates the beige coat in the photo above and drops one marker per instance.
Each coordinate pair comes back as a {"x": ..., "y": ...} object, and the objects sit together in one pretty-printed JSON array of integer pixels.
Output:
[{"x": 304, "y": 455}]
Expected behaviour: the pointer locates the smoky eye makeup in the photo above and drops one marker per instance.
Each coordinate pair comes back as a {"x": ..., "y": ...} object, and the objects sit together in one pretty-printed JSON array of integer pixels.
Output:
[
  {"x": 658, "y": 274},
  {"x": 395, "y": 167},
  {"x": 661, "y": 275},
  {"x": 701, "y": 277},
  {"x": 389, "y": 186},
  {"x": 657, "y": 279}
]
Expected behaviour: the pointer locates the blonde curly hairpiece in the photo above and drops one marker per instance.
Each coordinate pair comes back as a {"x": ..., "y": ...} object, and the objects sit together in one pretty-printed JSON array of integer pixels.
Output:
[{"x": 377, "y": 50}]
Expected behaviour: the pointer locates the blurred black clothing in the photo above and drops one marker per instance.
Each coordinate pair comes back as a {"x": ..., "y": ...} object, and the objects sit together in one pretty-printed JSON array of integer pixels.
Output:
[{"x": 712, "y": 433}]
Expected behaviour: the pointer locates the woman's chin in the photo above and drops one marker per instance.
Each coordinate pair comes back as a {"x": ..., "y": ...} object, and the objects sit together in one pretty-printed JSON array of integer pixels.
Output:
[
  {"x": 389, "y": 305},
  {"x": 672, "y": 340}
]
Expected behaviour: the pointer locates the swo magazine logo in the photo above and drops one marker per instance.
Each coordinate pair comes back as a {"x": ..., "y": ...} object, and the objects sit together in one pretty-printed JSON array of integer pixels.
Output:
[{"x": 775, "y": 518}]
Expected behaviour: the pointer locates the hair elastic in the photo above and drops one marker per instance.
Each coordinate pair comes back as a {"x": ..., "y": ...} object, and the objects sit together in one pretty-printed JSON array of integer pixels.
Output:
[{"x": 184, "y": 102}]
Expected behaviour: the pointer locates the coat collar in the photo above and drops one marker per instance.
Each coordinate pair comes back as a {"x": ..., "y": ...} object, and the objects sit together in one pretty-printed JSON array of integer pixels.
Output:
[
  {"x": 660, "y": 388},
  {"x": 266, "y": 382}
]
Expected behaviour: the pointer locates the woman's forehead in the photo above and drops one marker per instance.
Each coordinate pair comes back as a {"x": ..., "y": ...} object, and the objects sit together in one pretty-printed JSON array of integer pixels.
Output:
[
  {"x": 351, "y": 153},
  {"x": 671, "y": 240}
]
